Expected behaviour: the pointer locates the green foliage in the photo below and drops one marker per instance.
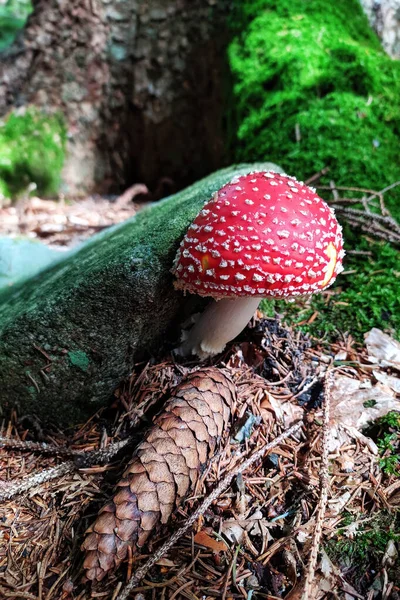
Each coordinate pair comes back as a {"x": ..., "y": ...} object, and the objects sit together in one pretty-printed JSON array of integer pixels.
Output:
[
  {"x": 32, "y": 149},
  {"x": 385, "y": 431},
  {"x": 363, "y": 550},
  {"x": 390, "y": 420},
  {"x": 13, "y": 15}
]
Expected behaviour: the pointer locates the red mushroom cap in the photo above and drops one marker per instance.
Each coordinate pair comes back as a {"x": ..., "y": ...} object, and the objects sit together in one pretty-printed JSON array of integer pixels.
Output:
[{"x": 262, "y": 234}]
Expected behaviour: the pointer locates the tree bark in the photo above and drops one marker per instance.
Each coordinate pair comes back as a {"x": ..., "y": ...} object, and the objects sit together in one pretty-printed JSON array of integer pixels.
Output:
[
  {"x": 69, "y": 335},
  {"x": 132, "y": 79}
]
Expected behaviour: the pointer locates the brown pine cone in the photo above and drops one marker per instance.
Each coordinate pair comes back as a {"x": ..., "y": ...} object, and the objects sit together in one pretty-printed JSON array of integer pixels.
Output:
[{"x": 166, "y": 465}]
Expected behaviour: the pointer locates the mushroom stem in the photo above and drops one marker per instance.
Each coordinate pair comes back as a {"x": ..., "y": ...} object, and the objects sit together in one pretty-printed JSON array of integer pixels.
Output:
[{"x": 222, "y": 321}]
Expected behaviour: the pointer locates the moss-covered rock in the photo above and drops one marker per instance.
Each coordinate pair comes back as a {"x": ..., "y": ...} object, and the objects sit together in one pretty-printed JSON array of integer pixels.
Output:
[
  {"x": 32, "y": 150},
  {"x": 96, "y": 312},
  {"x": 314, "y": 89},
  {"x": 316, "y": 66}
]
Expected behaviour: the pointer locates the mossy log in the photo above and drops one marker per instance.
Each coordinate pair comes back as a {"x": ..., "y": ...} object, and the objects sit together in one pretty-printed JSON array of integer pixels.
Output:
[{"x": 70, "y": 334}]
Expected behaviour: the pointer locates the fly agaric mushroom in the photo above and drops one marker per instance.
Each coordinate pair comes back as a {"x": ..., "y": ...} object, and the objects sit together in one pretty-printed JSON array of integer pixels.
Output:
[{"x": 263, "y": 234}]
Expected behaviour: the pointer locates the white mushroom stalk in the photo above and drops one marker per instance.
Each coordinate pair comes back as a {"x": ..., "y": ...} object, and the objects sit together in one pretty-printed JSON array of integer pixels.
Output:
[{"x": 220, "y": 323}]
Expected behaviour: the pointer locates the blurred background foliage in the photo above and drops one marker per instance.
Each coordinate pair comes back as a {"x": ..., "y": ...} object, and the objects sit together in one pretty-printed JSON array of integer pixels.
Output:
[{"x": 13, "y": 15}]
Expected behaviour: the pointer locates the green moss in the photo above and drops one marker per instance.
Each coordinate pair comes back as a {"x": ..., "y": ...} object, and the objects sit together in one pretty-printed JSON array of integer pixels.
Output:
[
  {"x": 317, "y": 68},
  {"x": 385, "y": 431},
  {"x": 79, "y": 359},
  {"x": 32, "y": 149},
  {"x": 13, "y": 15},
  {"x": 311, "y": 65},
  {"x": 361, "y": 552}
]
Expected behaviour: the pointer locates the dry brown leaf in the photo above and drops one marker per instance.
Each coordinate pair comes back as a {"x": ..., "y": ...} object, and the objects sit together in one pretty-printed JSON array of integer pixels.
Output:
[
  {"x": 165, "y": 467},
  {"x": 204, "y": 539},
  {"x": 351, "y": 409},
  {"x": 382, "y": 348}
]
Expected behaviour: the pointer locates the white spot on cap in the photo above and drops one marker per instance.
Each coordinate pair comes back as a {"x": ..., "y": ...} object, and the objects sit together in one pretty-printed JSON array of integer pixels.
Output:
[
  {"x": 210, "y": 272},
  {"x": 257, "y": 277},
  {"x": 224, "y": 277},
  {"x": 247, "y": 201},
  {"x": 235, "y": 213},
  {"x": 283, "y": 233},
  {"x": 208, "y": 228},
  {"x": 215, "y": 254},
  {"x": 223, "y": 264},
  {"x": 240, "y": 276}
]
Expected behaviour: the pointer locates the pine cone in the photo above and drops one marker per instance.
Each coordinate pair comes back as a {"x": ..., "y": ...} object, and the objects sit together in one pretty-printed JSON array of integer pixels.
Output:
[{"x": 166, "y": 465}]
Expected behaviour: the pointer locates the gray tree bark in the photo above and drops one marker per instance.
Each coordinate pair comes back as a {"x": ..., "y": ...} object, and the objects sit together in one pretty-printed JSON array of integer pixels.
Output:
[
  {"x": 132, "y": 79},
  {"x": 384, "y": 18}
]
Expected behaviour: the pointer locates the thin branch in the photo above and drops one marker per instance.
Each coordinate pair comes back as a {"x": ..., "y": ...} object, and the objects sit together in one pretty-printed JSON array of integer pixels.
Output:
[
  {"x": 222, "y": 486},
  {"x": 41, "y": 447},
  {"x": 324, "y": 487},
  {"x": 10, "y": 490},
  {"x": 82, "y": 460}
]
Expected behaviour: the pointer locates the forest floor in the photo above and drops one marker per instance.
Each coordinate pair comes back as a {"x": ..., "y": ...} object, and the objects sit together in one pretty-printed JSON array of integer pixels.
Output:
[
  {"x": 317, "y": 517},
  {"x": 66, "y": 223}
]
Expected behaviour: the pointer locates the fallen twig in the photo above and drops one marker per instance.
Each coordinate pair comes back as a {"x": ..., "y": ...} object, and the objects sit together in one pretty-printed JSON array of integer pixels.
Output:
[
  {"x": 223, "y": 485},
  {"x": 82, "y": 460},
  {"x": 324, "y": 487}
]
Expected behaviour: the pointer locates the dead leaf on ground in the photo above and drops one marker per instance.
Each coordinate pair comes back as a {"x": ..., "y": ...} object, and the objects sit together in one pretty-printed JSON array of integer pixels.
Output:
[
  {"x": 353, "y": 406},
  {"x": 204, "y": 539},
  {"x": 382, "y": 348}
]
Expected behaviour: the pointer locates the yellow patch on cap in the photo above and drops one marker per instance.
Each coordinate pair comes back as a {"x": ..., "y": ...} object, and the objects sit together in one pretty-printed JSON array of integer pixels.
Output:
[
  {"x": 205, "y": 262},
  {"x": 332, "y": 254}
]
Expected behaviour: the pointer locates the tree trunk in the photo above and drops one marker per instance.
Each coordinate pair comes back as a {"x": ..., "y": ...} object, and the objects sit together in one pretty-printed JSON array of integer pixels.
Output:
[
  {"x": 132, "y": 79},
  {"x": 384, "y": 18},
  {"x": 69, "y": 335}
]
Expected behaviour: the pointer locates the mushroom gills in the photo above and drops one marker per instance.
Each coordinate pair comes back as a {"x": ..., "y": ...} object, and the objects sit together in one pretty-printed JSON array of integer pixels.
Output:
[{"x": 220, "y": 323}]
